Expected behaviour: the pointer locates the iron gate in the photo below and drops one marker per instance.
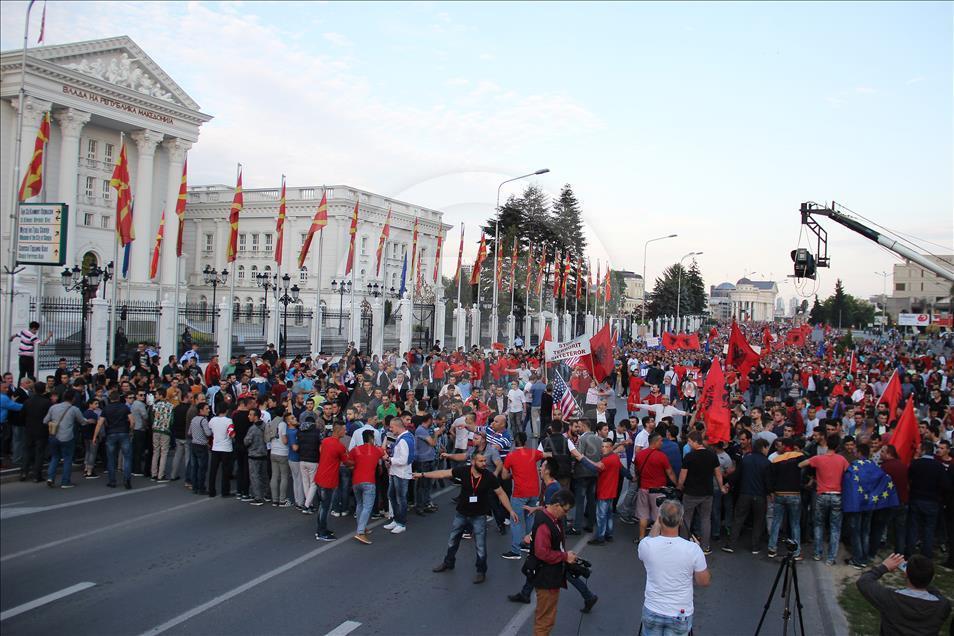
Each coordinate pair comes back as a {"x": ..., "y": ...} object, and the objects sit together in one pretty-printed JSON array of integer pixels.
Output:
[{"x": 63, "y": 317}]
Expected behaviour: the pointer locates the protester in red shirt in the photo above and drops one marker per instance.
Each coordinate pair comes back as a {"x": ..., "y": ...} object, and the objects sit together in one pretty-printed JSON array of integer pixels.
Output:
[
  {"x": 607, "y": 484},
  {"x": 521, "y": 465},
  {"x": 332, "y": 454},
  {"x": 365, "y": 458},
  {"x": 652, "y": 469}
]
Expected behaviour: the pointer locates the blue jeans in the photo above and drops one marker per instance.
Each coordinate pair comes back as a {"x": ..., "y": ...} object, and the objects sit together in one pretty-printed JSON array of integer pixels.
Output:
[
  {"x": 604, "y": 519},
  {"x": 422, "y": 487},
  {"x": 787, "y": 505},
  {"x": 198, "y": 465},
  {"x": 922, "y": 519},
  {"x": 364, "y": 496},
  {"x": 342, "y": 499},
  {"x": 827, "y": 505},
  {"x": 116, "y": 442},
  {"x": 584, "y": 487},
  {"x": 397, "y": 495},
  {"x": 61, "y": 450},
  {"x": 658, "y": 625},
  {"x": 324, "y": 499},
  {"x": 460, "y": 525},
  {"x": 859, "y": 526},
  {"x": 722, "y": 511},
  {"x": 520, "y": 529}
]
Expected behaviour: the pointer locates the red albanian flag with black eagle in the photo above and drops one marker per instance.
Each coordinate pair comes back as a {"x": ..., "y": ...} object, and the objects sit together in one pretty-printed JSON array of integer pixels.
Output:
[
  {"x": 714, "y": 405},
  {"x": 601, "y": 353}
]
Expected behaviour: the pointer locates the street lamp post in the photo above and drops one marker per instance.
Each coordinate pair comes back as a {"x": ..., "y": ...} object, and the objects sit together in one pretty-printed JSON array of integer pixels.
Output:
[
  {"x": 289, "y": 297},
  {"x": 679, "y": 284},
  {"x": 267, "y": 282},
  {"x": 214, "y": 279},
  {"x": 340, "y": 287},
  {"x": 645, "y": 247},
  {"x": 107, "y": 276},
  {"x": 87, "y": 284},
  {"x": 497, "y": 243},
  {"x": 884, "y": 299}
]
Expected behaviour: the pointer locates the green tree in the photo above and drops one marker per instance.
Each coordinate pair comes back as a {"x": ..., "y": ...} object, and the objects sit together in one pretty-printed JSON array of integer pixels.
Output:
[{"x": 667, "y": 288}]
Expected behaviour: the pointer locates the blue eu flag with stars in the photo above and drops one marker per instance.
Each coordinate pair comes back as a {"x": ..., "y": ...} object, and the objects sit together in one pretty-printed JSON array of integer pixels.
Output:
[{"x": 865, "y": 487}]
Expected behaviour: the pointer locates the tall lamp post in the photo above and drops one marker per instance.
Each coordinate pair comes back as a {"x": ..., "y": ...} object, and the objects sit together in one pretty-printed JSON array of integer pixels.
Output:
[
  {"x": 679, "y": 284},
  {"x": 645, "y": 283},
  {"x": 107, "y": 276},
  {"x": 268, "y": 282},
  {"x": 214, "y": 280},
  {"x": 884, "y": 299},
  {"x": 87, "y": 284},
  {"x": 493, "y": 314},
  {"x": 289, "y": 297},
  {"x": 340, "y": 287},
  {"x": 374, "y": 291}
]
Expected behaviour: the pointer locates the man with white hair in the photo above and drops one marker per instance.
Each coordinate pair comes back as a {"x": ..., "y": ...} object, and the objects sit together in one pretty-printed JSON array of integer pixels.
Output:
[{"x": 663, "y": 409}]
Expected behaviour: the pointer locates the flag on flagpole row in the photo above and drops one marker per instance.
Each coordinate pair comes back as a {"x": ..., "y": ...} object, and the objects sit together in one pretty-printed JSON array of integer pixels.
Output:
[
  {"x": 238, "y": 203},
  {"x": 579, "y": 277},
  {"x": 589, "y": 277},
  {"x": 413, "y": 247},
  {"x": 353, "y": 232},
  {"x": 608, "y": 292},
  {"x": 566, "y": 274},
  {"x": 892, "y": 395},
  {"x": 120, "y": 182},
  {"x": 541, "y": 271},
  {"x": 181, "y": 207},
  {"x": 437, "y": 256},
  {"x": 498, "y": 266},
  {"x": 280, "y": 226},
  {"x": 127, "y": 250},
  {"x": 42, "y": 37},
  {"x": 563, "y": 398},
  {"x": 403, "y": 288},
  {"x": 514, "y": 254},
  {"x": 598, "y": 281},
  {"x": 481, "y": 255},
  {"x": 33, "y": 179},
  {"x": 385, "y": 235},
  {"x": 556, "y": 275},
  {"x": 460, "y": 255},
  {"x": 154, "y": 264},
  {"x": 318, "y": 222},
  {"x": 529, "y": 270},
  {"x": 906, "y": 438}
]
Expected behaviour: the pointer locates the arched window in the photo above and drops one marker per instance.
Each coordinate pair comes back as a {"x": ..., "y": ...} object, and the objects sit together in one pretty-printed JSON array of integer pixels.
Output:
[
  {"x": 254, "y": 273},
  {"x": 303, "y": 275},
  {"x": 241, "y": 272},
  {"x": 268, "y": 268},
  {"x": 249, "y": 308},
  {"x": 236, "y": 308},
  {"x": 89, "y": 262}
]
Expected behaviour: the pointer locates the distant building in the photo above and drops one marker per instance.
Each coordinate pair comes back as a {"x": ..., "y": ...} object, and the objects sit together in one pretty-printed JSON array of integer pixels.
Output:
[
  {"x": 779, "y": 307},
  {"x": 916, "y": 290},
  {"x": 745, "y": 300},
  {"x": 634, "y": 290},
  {"x": 793, "y": 304}
]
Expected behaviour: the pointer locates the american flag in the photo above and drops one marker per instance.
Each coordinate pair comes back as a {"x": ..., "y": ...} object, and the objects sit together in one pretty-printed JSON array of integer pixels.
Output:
[{"x": 562, "y": 396}]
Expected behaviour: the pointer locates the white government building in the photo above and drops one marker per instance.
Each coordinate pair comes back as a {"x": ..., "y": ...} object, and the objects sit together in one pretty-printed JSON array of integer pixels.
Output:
[
  {"x": 100, "y": 89},
  {"x": 745, "y": 300}
]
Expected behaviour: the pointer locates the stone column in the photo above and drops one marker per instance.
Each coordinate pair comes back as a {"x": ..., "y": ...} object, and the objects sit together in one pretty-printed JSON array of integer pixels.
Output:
[
  {"x": 272, "y": 326},
  {"x": 567, "y": 326},
  {"x": 377, "y": 327},
  {"x": 98, "y": 330},
  {"x": 588, "y": 324},
  {"x": 440, "y": 320},
  {"x": 168, "y": 338},
  {"x": 71, "y": 123},
  {"x": 354, "y": 324},
  {"x": 555, "y": 328},
  {"x": 541, "y": 324},
  {"x": 460, "y": 327},
  {"x": 527, "y": 329},
  {"x": 223, "y": 331},
  {"x": 176, "y": 150},
  {"x": 475, "y": 326},
  {"x": 511, "y": 329},
  {"x": 146, "y": 141},
  {"x": 494, "y": 325}
]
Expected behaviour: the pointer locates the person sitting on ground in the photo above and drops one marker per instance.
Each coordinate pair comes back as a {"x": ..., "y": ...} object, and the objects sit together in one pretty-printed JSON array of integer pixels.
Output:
[{"x": 919, "y": 608}]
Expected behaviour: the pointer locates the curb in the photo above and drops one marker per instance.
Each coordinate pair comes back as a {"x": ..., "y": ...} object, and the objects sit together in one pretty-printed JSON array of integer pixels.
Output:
[{"x": 833, "y": 617}]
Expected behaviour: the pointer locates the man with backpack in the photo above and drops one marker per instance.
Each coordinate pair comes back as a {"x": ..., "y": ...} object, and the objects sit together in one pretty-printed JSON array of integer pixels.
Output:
[{"x": 563, "y": 451}]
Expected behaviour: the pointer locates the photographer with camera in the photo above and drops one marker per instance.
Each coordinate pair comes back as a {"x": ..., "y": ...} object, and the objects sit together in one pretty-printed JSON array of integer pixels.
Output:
[
  {"x": 672, "y": 565},
  {"x": 549, "y": 560}
]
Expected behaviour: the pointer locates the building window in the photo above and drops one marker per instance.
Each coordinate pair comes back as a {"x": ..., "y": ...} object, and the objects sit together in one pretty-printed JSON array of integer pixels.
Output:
[
  {"x": 268, "y": 242},
  {"x": 242, "y": 238},
  {"x": 108, "y": 155},
  {"x": 91, "y": 150},
  {"x": 241, "y": 272},
  {"x": 90, "y": 181},
  {"x": 105, "y": 222},
  {"x": 254, "y": 242},
  {"x": 254, "y": 273},
  {"x": 208, "y": 242},
  {"x": 899, "y": 287},
  {"x": 88, "y": 218},
  {"x": 302, "y": 238},
  {"x": 303, "y": 275},
  {"x": 364, "y": 246},
  {"x": 107, "y": 190}
]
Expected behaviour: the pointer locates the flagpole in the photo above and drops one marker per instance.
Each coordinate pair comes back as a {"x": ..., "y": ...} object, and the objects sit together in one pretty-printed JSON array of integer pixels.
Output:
[
  {"x": 576, "y": 299},
  {"x": 513, "y": 287},
  {"x": 460, "y": 277},
  {"x": 273, "y": 336},
  {"x": 321, "y": 255},
  {"x": 116, "y": 270},
  {"x": 238, "y": 171}
]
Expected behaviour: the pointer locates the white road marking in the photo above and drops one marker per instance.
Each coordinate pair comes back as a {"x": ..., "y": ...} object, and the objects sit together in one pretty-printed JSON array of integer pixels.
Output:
[
  {"x": 344, "y": 629},
  {"x": 12, "y": 503},
  {"x": 524, "y": 613},
  {"x": 43, "y": 600},
  {"x": 10, "y": 513},
  {"x": 83, "y": 535},
  {"x": 253, "y": 583}
]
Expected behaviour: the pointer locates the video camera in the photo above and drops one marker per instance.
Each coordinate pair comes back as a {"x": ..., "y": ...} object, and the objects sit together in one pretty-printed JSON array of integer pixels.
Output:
[
  {"x": 666, "y": 493},
  {"x": 581, "y": 567}
]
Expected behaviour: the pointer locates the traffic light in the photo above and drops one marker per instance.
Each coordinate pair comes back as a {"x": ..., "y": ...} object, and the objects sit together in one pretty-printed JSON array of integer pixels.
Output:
[{"x": 804, "y": 263}]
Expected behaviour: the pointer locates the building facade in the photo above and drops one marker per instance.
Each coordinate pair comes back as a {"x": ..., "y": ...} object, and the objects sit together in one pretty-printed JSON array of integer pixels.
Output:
[
  {"x": 745, "y": 300},
  {"x": 914, "y": 289},
  {"x": 633, "y": 290}
]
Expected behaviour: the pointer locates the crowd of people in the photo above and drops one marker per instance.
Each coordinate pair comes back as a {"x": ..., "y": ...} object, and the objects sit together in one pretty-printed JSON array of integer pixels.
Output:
[{"x": 361, "y": 436}]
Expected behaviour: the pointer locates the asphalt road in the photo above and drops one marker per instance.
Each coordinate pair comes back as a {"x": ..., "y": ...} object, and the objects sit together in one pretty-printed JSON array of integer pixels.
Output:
[{"x": 158, "y": 559}]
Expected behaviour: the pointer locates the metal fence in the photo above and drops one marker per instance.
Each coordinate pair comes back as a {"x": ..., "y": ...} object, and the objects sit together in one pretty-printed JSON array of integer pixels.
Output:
[
  {"x": 392, "y": 326},
  {"x": 422, "y": 326},
  {"x": 137, "y": 322},
  {"x": 248, "y": 329},
  {"x": 335, "y": 331},
  {"x": 299, "y": 329},
  {"x": 64, "y": 318},
  {"x": 196, "y": 324}
]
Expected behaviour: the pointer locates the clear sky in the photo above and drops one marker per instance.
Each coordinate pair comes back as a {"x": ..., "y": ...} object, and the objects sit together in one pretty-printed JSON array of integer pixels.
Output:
[{"x": 710, "y": 120}]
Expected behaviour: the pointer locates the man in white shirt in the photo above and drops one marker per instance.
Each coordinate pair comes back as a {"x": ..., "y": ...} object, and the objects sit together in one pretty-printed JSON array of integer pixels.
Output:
[
  {"x": 663, "y": 409},
  {"x": 672, "y": 566},
  {"x": 516, "y": 407}
]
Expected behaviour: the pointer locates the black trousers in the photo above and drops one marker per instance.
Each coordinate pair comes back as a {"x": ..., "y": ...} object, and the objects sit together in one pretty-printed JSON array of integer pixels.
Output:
[
  {"x": 743, "y": 506},
  {"x": 141, "y": 451},
  {"x": 26, "y": 368},
  {"x": 243, "y": 483},
  {"x": 223, "y": 459},
  {"x": 35, "y": 453}
]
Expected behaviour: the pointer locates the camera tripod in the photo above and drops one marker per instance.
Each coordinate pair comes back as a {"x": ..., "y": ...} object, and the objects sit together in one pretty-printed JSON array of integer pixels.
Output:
[{"x": 789, "y": 575}]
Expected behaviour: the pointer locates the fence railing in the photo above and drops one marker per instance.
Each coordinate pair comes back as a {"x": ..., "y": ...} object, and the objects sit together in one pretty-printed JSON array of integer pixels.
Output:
[
  {"x": 137, "y": 322},
  {"x": 63, "y": 317},
  {"x": 196, "y": 324}
]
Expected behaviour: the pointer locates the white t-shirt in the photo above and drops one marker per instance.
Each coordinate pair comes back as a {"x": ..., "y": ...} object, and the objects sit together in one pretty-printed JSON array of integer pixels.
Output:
[
  {"x": 517, "y": 399},
  {"x": 670, "y": 565},
  {"x": 276, "y": 445},
  {"x": 642, "y": 439},
  {"x": 221, "y": 426},
  {"x": 461, "y": 434}
]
